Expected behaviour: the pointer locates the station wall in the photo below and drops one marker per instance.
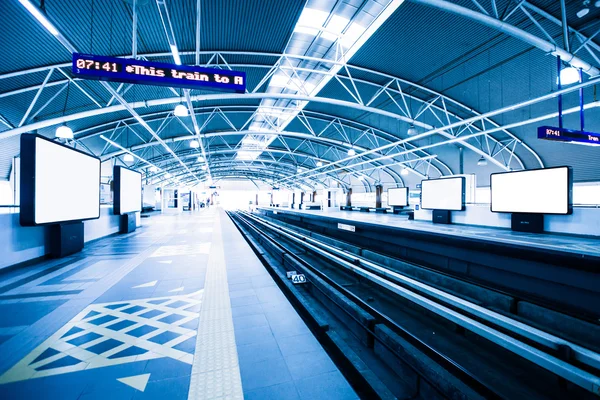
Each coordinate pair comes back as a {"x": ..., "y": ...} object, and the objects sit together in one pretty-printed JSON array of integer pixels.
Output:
[
  {"x": 583, "y": 221},
  {"x": 19, "y": 244}
]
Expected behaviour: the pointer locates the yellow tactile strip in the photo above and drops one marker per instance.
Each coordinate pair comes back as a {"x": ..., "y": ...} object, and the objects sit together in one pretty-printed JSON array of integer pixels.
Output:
[{"x": 215, "y": 369}]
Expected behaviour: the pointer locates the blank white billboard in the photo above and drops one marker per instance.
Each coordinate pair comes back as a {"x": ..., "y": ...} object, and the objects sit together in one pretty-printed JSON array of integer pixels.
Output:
[
  {"x": 398, "y": 197},
  {"x": 130, "y": 191},
  {"x": 443, "y": 194},
  {"x": 539, "y": 191},
  {"x": 67, "y": 184}
]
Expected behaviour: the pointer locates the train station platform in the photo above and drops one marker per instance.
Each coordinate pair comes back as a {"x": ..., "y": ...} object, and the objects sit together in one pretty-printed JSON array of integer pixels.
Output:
[
  {"x": 562, "y": 243},
  {"x": 558, "y": 270},
  {"x": 181, "y": 308}
]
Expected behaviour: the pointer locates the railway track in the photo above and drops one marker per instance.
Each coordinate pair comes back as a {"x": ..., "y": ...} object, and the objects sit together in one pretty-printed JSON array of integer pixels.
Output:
[{"x": 488, "y": 353}]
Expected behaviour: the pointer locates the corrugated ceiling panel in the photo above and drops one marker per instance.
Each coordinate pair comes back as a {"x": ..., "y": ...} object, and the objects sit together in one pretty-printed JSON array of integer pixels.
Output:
[
  {"x": 25, "y": 43},
  {"x": 246, "y": 25}
]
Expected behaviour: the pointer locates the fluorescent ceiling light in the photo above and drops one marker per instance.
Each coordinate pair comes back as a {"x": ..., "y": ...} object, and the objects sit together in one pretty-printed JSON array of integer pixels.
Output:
[
  {"x": 128, "y": 158},
  {"x": 200, "y": 159},
  {"x": 351, "y": 152},
  {"x": 64, "y": 132},
  {"x": 569, "y": 75},
  {"x": 583, "y": 12},
  {"x": 404, "y": 171},
  {"x": 311, "y": 21},
  {"x": 175, "y": 52},
  {"x": 412, "y": 131},
  {"x": 246, "y": 155},
  {"x": 33, "y": 10},
  {"x": 335, "y": 26},
  {"x": 194, "y": 144},
  {"x": 180, "y": 110}
]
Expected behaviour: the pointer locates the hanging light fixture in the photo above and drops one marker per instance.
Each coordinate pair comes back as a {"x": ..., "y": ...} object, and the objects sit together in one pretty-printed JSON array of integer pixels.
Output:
[
  {"x": 299, "y": 170},
  {"x": 204, "y": 168},
  {"x": 319, "y": 163},
  {"x": 153, "y": 169},
  {"x": 569, "y": 75},
  {"x": 412, "y": 131},
  {"x": 128, "y": 158},
  {"x": 482, "y": 162},
  {"x": 64, "y": 132},
  {"x": 194, "y": 144},
  {"x": 404, "y": 171},
  {"x": 583, "y": 12},
  {"x": 200, "y": 159},
  {"x": 180, "y": 110},
  {"x": 168, "y": 175},
  {"x": 351, "y": 152}
]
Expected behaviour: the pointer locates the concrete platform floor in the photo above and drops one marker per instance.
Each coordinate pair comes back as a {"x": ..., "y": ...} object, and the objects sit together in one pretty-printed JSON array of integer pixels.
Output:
[{"x": 181, "y": 308}]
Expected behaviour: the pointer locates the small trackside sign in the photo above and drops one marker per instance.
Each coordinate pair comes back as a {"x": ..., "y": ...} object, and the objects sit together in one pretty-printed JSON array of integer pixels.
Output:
[
  {"x": 290, "y": 274},
  {"x": 346, "y": 227},
  {"x": 298, "y": 278}
]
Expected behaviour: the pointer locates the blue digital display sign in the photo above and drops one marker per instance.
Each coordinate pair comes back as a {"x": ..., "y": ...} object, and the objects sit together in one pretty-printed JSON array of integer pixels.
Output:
[
  {"x": 568, "y": 135},
  {"x": 89, "y": 66}
]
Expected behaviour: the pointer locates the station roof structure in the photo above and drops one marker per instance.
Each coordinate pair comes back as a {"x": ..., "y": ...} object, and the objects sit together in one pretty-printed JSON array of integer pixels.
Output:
[{"x": 339, "y": 92}]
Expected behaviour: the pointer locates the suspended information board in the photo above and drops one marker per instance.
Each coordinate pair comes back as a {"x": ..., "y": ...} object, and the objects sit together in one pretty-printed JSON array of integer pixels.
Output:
[
  {"x": 128, "y": 70},
  {"x": 568, "y": 135}
]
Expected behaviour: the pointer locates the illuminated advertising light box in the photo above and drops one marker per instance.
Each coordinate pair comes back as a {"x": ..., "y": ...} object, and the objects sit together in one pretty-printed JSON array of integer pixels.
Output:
[
  {"x": 58, "y": 183},
  {"x": 398, "y": 197},
  {"x": 130, "y": 70},
  {"x": 535, "y": 191},
  {"x": 127, "y": 185},
  {"x": 443, "y": 194}
]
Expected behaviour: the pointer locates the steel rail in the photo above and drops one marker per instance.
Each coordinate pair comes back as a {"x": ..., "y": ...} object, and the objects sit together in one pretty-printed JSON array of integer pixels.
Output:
[{"x": 551, "y": 363}]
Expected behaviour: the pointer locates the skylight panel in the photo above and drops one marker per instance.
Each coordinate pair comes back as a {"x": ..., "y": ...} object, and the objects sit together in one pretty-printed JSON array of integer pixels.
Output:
[
  {"x": 311, "y": 21},
  {"x": 246, "y": 155},
  {"x": 335, "y": 26},
  {"x": 352, "y": 34}
]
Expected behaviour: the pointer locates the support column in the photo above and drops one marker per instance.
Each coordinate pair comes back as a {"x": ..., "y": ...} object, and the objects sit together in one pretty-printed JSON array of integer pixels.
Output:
[
  {"x": 272, "y": 199},
  {"x": 378, "y": 191},
  {"x": 329, "y": 198},
  {"x": 301, "y": 198},
  {"x": 349, "y": 197},
  {"x": 314, "y": 196},
  {"x": 293, "y": 199},
  {"x": 256, "y": 202}
]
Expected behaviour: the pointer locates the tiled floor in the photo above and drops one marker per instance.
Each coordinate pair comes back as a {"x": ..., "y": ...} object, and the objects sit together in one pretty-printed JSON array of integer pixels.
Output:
[{"x": 179, "y": 309}]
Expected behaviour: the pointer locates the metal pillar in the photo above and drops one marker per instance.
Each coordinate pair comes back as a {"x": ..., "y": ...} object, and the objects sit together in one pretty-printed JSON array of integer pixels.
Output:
[
  {"x": 349, "y": 197},
  {"x": 378, "y": 191}
]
